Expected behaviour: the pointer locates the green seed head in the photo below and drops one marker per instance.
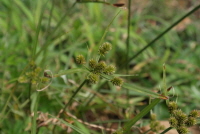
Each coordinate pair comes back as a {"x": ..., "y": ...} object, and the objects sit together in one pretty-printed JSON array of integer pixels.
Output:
[
  {"x": 173, "y": 122},
  {"x": 153, "y": 117},
  {"x": 155, "y": 126},
  {"x": 117, "y": 81},
  {"x": 80, "y": 59},
  {"x": 109, "y": 70},
  {"x": 182, "y": 130},
  {"x": 93, "y": 78},
  {"x": 92, "y": 63},
  {"x": 191, "y": 121},
  {"x": 172, "y": 106},
  {"x": 104, "y": 48},
  {"x": 100, "y": 67},
  {"x": 180, "y": 116},
  {"x": 194, "y": 113}
]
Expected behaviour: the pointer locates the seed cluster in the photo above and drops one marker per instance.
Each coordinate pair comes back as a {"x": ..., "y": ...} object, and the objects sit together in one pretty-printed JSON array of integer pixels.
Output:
[
  {"x": 179, "y": 119},
  {"x": 33, "y": 76},
  {"x": 155, "y": 125},
  {"x": 100, "y": 67}
]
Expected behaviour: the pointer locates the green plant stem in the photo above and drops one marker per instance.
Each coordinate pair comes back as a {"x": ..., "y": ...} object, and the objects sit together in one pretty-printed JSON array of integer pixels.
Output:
[
  {"x": 166, "y": 130},
  {"x": 29, "y": 96},
  {"x": 38, "y": 28},
  {"x": 77, "y": 90},
  {"x": 107, "y": 28},
  {"x": 128, "y": 45},
  {"x": 164, "y": 32},
  {"x": 35, "y": 107},
  {"x": 128, "y": 35},
  {"x": 70, "y": 101}
]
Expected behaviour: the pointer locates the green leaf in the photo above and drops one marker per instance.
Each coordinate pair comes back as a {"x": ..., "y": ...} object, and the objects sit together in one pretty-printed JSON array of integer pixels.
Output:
[
  {"x": 142, "y": 90},
  {"x": 137, "y": 88},
  {"x": 129, "y": 124},
  {"x": 70, "y": 71}
]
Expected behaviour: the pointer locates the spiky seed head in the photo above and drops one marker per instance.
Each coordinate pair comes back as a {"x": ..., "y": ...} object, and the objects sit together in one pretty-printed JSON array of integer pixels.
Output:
[
  {"x": 80, "y": 59},
  {"x": 155, "y": 125},
  {"x": 194, "y": 113},
  {"x": 153, "y": 117},
  {"x": 93, "y": 78},
  {"x": 109, "y": 70},
  {"x": 92, "y": 63},
  {"x": 191, "y": 121},
  {"x": 182, "y": 130},
  {"x": 173, "y": 121},
  {"x": 172, "y": 106},
  {"x": 117, "y": 81},
  {"x": 100, "y": 67},
  {"x": 104, "y": 48},
  {"x": 180, "y": 116}
]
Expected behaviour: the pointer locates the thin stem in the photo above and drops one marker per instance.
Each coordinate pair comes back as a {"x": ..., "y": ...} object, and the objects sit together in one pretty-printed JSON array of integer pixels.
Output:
[
  {"x": 164, "y": 32},
  {"x": 127, "y": 45},
  {"x": 29, "y": 95},
  {"x": 166, "y": 130},
  {"x": 38, "y": 28},
  {"x": 35, "y": 108},
  {"x": 77, "y": 90},
  {"x": 70, "y": 100},
  {"x": 128, "y": 33}
]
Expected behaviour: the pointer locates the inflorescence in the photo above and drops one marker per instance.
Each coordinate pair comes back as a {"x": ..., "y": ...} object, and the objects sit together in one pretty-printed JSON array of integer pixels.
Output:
[
  {"x": 34, "y": 75},
  {"x": 155, "y": 125},
  {"x": 97, "y": 68},
  {"x": 179, "y": 119}
]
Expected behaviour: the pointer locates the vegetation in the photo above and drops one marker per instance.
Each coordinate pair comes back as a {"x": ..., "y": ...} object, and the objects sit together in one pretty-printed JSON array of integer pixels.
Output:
[{"x": 96, "y": 67}]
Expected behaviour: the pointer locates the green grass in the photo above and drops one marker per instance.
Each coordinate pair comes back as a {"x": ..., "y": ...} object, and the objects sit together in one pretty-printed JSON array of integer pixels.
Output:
[{"x": 52, "y": 33}]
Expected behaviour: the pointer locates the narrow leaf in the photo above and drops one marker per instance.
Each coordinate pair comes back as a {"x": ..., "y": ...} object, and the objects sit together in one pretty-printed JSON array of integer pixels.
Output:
[
  {"x": 142, "y": 90},
  {"x": 128, "y": 125}
]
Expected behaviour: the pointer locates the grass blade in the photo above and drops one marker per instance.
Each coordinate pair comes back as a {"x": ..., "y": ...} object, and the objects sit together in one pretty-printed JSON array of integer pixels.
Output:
[
  {"x": 128, "y": 126},
  {"x": 142, "y": 90}
]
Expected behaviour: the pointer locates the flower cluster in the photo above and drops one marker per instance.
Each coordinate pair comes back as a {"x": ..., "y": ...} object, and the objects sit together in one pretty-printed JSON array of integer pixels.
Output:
[
  {"x": 33, "y": 76},
  {"x": 155, "y": 125},
  {"x": 104, "y": 48},
  {"x": 97, "y": 68},
  {"x": 179, "y": 119}
]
